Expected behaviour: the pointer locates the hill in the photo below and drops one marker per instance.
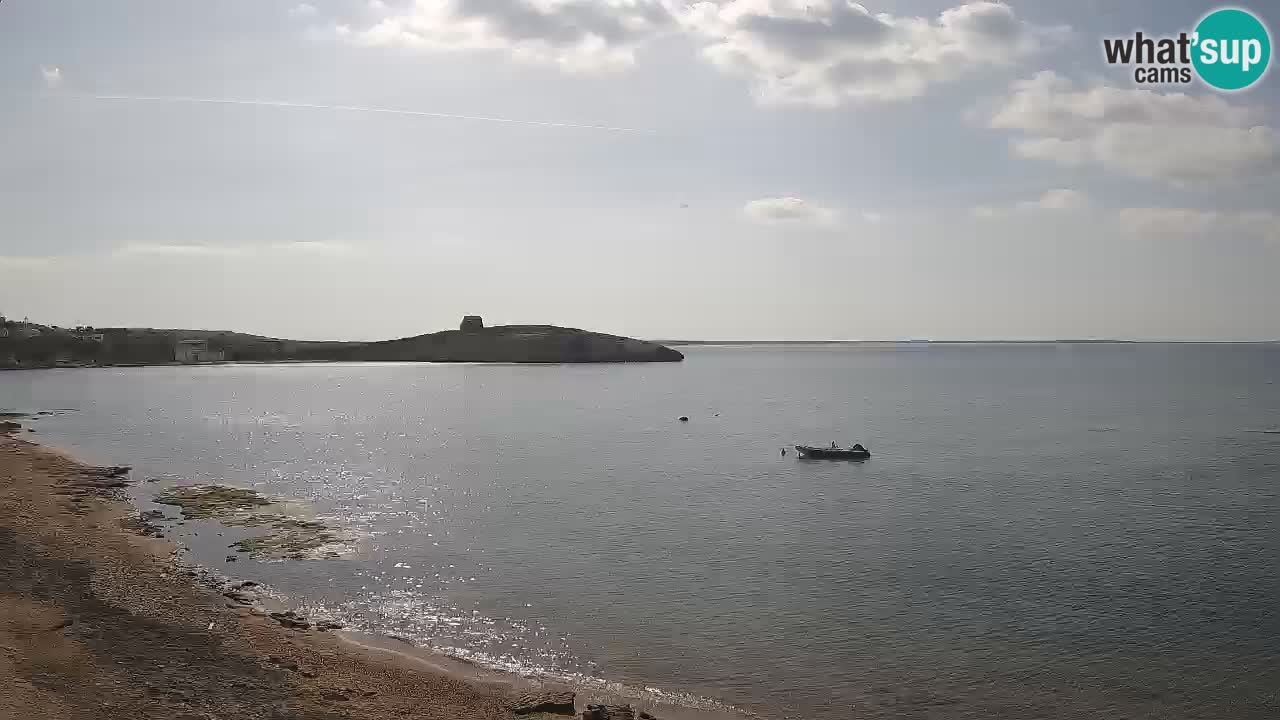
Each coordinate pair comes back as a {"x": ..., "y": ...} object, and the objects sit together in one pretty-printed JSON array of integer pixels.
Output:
[
  {"x": 26, "y": 345},
  {"x": 520, "y": 344}
]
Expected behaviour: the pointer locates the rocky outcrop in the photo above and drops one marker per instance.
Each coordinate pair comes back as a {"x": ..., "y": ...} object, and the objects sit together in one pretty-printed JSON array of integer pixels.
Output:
[
  {"x": 609, "y": 712},
  {"x": 518, "y": 344},
  {"x": 558, "y": 702}
]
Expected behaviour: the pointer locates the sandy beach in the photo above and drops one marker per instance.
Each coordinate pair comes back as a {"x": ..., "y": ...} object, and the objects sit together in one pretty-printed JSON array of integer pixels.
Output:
[{"x": 96, "y": 621}]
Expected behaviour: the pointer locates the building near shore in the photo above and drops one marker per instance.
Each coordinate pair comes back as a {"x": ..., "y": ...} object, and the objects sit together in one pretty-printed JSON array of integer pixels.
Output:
[
  {"x": 88, "y": 334},
  {"x": 195, "y": 351}
]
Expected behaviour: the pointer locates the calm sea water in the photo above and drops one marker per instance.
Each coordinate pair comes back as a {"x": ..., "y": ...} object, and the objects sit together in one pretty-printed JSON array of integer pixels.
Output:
[{"x": 1087, "y": 531}]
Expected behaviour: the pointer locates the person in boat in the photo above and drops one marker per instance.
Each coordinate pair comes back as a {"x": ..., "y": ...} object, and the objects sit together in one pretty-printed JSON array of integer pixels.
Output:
[{"x": 833, "y": 445}]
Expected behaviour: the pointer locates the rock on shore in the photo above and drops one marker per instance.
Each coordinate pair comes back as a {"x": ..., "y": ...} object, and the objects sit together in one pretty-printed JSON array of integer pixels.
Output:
[{"x": 556, "y": 702}]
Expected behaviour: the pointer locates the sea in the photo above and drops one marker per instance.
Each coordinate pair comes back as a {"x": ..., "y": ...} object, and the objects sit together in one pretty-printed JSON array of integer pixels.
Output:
[{"x": 1046, "y": 530}]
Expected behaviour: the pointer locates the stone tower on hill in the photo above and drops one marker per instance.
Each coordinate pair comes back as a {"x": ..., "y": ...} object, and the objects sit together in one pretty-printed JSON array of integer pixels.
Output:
[{"x": 471, "y": 323}]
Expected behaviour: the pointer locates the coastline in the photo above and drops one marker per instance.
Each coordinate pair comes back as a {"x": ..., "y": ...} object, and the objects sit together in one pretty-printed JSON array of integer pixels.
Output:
[{"x": 97, "y": 618}]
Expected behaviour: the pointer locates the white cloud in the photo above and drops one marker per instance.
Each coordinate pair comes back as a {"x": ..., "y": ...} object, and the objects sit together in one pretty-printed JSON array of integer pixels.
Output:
[
  {"x": 303, "y": 10},
  {"x": 872, "y": 217},
  {"x": 1141, "y": 133},
  {"x": 577, "y": 35},
  {"x": 828, "y": 52},
  {"x": 197, "y": 251},
  {"x": 782, "y": 210},
  {"x": 316, "y": 247},
  {"x": 161, "y": 252},
  {"x": 1190, "y": 222},
  {"x": 1055, "y": 200},
  {"x": 1150, "y": 222},
  {"x": 52, "y": 77},
  {"x": 1059, "y": 199},
  {"x": 26, "y": 262},
  {"x": 304, "y": 247},
  {"x": 817, "y": 52}
]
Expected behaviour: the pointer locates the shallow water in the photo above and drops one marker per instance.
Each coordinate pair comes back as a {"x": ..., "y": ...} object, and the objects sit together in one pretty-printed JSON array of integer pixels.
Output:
[{"x": 1043, "y": 530}]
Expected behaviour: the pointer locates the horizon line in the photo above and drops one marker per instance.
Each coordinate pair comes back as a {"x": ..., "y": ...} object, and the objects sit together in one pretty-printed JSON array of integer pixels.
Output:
[{"x": 986, "y": 341}]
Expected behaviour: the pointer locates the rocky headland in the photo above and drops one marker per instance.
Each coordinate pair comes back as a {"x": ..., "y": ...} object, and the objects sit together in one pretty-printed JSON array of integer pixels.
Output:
[{"x": 29, "y": 345}]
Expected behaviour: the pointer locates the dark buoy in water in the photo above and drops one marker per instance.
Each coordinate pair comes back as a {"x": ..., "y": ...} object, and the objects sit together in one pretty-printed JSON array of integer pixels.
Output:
[
  {"x": 684, "y": 418},
  {"x": 784, "y": 452}
]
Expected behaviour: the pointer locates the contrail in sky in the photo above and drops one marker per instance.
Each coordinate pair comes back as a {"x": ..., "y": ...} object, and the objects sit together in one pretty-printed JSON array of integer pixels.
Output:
[{"x": 356, "y": 108}]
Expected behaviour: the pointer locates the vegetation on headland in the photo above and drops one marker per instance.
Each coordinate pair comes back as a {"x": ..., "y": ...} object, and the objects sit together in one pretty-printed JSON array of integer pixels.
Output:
[{"x": 29, "y": 345}]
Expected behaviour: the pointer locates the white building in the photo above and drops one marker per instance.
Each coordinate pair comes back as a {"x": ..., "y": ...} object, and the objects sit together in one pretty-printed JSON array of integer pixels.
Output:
[{"x": 195, "y": 351}]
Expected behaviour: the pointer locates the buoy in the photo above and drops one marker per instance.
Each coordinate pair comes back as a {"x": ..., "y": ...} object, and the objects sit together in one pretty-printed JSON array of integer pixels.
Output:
[
  {"x": 684, "y": 418},
  {"x": 784, "y": 452}
]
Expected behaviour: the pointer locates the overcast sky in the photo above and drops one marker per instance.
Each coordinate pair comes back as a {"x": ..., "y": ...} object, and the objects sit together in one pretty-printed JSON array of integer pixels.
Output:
[{"x": 741, "y": 169}]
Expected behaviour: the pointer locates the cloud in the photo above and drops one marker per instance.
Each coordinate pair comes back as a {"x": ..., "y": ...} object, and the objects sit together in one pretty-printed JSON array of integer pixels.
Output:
[
  {"x": 814, "y": 52},
  {"x": 577, "y": 35},
  {"x": 316, "y": 247},
  {"x": 1149, "y": 222},
  {"x": 320, "y": 250},
  {"x": 195, "y": 251},
  {"x": 788, "y": 210},
  {"x": 26, "y": 262},
  {"x": 1059, "y": 199},
  {"x": 300, "y": 248},
  {"x": 303, "y": 10},
  {"x": 1159, "y": 223},
  {"x": 52, "y": 77},
  {"x": 1056, "y": 200},
  {"x": 1172, "y": 137},
  {"x": 829, "y": 52}
]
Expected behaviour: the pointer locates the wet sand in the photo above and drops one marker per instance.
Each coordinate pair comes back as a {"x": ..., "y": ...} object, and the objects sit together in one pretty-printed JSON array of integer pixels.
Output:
[{"x": 96, "y": 621}]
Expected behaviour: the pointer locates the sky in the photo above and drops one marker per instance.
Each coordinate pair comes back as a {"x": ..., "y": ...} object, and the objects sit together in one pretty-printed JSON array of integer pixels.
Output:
[{"x": 735, "y": 169}]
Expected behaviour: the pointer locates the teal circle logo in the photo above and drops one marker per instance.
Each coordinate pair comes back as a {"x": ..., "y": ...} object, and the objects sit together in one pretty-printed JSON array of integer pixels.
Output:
[{"x": 1232, "y": 49}]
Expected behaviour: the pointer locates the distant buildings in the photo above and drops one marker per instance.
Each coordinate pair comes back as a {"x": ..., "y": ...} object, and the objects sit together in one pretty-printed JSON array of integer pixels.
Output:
[
  {"x": 471, "y": 323},
  {"x": 87, "y": 333},
  {"x": 195, "y": 351}
]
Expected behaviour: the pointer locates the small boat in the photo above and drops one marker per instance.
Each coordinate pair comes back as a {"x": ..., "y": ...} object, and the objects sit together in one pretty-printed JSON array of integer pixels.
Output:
[{"x": 857, "y": 452}]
